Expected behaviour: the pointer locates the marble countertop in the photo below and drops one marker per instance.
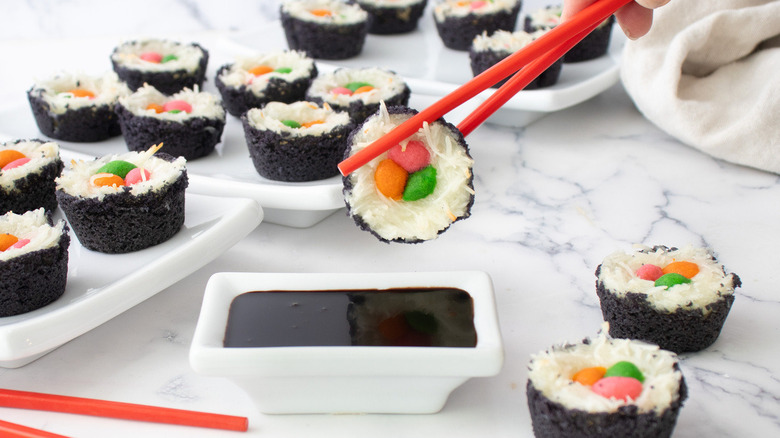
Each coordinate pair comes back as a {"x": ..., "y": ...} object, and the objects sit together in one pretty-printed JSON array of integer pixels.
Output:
[{"x": 552, "y": 200}]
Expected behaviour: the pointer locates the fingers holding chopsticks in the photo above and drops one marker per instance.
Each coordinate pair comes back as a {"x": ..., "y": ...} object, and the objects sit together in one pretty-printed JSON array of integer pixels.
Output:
[{"x": 635, "y": 18}]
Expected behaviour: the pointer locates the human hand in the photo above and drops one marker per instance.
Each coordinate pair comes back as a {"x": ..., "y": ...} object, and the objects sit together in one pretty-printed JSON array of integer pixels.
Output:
[{"x": 635, "y": 18}]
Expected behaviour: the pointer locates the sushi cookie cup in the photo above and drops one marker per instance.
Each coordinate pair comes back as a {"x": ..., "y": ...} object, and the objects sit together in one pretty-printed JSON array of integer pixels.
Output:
[
  {"x": 359, "y": 91},
  {"x": 389, "y": 17},
  {"x": 296, "y": 142},
  {"x": 562, "y": 407},
  {"x": 324, "y": 29},
  {"x": 30, "y": 185},
  {"x": 122, "y": 218},
  {"x": 34, "y": 270},
  {"x": 459, "y": 22},
  {"x": 684, "y": 317},
  {"x": 594, "y": 45},
  {"x": 190, "y": 123},
  {"x": 77, "y": 107},
  {"x": 409, "y": 200},
  {"x": 253, "y": 81},
  {"x": 169, "y": 66},
  {"x": 488, "y": 50}
]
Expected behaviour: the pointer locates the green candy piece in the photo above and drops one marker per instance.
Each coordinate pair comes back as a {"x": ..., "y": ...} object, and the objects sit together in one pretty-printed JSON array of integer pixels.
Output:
[
  {"x": 283, "y": 70},
  {"x": 291, "y": 123},
  {"x": 119, "y": 168},
  {"x": 625, "y": 369},
  {"x": 420, "y": 184},
  {"x": 167, "y": 58},
  {"x": 671, "y": 279},
  {"x": 421, "y": 322},
  {"x": 352, "y": 86}
]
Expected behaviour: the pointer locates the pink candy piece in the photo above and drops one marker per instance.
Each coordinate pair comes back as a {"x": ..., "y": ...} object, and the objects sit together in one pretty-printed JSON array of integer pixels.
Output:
[
  {"x": 135, "y": 176},
  {"x": 649, "y": 272},
  {"x": 16, "y": 163},
  {"x": 618, "y": 387},
  {"x": 20, "y": 243},
  {"x": 177, "y": 105},
  {"x": 413, "y": 157},
  {"x": 151, "y": 57},
  {"x": 341, "y": 90},
  {"x": 478, "y": 4}
]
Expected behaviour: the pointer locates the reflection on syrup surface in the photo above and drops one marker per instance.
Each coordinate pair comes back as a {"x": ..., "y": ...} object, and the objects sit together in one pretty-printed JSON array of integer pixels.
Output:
[{"x": 425, "y": 317}]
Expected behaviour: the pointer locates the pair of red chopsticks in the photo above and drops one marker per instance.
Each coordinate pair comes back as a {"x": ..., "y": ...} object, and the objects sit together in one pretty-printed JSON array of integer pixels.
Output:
[
  {"x": 101, "y": 408},
  {"x": 531, "y": 61}
]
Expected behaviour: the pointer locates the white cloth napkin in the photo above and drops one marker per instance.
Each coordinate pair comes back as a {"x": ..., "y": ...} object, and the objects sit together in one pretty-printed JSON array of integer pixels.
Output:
[{"x": 708, "y": 73}]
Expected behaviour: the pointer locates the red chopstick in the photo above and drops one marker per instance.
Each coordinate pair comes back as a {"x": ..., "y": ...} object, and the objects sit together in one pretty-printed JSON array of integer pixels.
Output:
[
  {"x": 13, "y": 430},
  {"x": 561, "y": 34},
  {"x": 517, "y": 82},
  {"x": 127, "y": 411}
]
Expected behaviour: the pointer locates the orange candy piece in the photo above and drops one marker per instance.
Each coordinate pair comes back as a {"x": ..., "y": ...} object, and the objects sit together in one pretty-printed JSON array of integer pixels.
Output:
[
  {"x": 107, "y": 179},
  {"x": 80, "y": 92},
  {"x": 589, "y": 376},
  {"x": 7, "y": 241},
  {"x": 9, "y": 155},
  {"x": 321, "y": 12},
  {"x": 363, "y": 89},
  {"x": 260, "y": 70},
  {"x": 156, "y": 107},
  {"x": 312, "y": 123},
  {"x": 686, "y": 269},
  {"x": 390, "y": 179}
]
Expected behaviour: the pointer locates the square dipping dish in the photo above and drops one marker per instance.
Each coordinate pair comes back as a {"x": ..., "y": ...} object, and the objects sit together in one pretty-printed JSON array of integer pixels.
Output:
[{"x": 301, "y": 343}]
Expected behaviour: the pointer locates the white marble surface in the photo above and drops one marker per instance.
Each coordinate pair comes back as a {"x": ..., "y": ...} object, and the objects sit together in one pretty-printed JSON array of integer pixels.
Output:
[{"x": 552, "y": 200}]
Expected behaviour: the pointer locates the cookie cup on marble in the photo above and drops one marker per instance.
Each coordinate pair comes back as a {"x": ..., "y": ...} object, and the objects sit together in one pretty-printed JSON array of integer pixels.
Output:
[
  {"x": 34, "y": 274},
  {"x": 392, "y": 17},
  {"x": 396, "y": 219},
  {"x": 310, "y": 151},
  {"x": 563, "y": 408},
  {"x": 31, "y": 185},
  {"x": 385, "y": 86},
  {"x": 191, "y": 135},
  {"x": 458, "y": 23},
  {"x": 241, "y": 89},
  {"x": 681, "y": 318},
  {"x": 594, "y": 45},
  {"x": 488, "y": 50},
  {"x": 126, "y": 218},
  {"x": 185, "y": 69},
  {"x": 77, "y": 107},
  {"x": 338, "y": 33}
]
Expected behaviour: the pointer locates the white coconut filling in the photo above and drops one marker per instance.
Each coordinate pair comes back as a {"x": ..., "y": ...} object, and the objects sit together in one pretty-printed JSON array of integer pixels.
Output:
[
  {"x": 339, "y": 12},
  {"x": 503, "y": 41},
  {"x": 187, "y": 56},
  {"x": 386, "y": 85},
  {"x": 271, "y": 116},
  {"x": 546, "y": 17},
  {"x": 203, "y": 104},
  {"x": 618, "y": 274},
  {"x": 238, "y": 74},
  {"x": 31, "y": 225},
  {"x": 75, "y": 180},
  {"x": 551, "y": 371},
  {"x": 55, "y": 91},
  {"x": 40, "y": 155},
  {"x": 460, "y": 8},
  {"x": 550, "y": 17},
  {"x": 390, "y": 3},
  {"x": 424, "y": 218}
]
